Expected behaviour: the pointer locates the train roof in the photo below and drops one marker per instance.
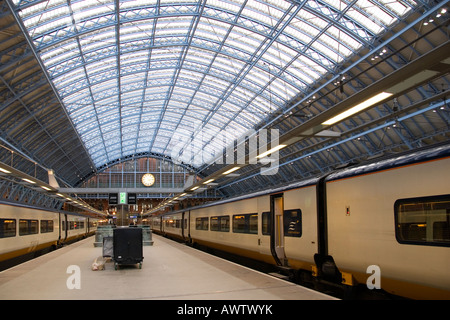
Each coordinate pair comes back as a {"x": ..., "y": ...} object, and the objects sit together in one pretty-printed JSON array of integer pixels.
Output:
[
  {"x": 53, "y": 210},
  {"x": 416, "y": 156},
  {"x": 399, "y": 160}
]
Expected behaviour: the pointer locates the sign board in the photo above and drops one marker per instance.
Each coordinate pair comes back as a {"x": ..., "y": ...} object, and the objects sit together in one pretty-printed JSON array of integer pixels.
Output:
[
  {"x": 122, "y": 198},
  {"x": 113, "y": 198},
  {"x": 132, "y": 198}
]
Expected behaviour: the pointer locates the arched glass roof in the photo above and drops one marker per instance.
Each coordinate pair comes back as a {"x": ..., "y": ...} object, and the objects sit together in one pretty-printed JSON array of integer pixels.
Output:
[{"x": 151, "y": 76}]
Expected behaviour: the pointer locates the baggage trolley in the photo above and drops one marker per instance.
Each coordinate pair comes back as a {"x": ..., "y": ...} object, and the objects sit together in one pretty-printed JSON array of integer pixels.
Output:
[{"x": 127, "y": 245}]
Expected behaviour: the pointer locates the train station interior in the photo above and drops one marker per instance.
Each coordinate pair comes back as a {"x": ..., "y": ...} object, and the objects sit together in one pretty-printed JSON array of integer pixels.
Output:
[{"x": 122, "y": 111}]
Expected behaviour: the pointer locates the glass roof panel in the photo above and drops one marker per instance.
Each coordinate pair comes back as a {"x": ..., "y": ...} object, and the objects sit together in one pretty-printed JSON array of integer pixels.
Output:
[{"x": 143, "y": 75}]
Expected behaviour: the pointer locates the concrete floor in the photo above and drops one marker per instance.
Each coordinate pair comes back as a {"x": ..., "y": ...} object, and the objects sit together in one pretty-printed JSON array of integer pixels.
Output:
[{"x": 170, "y": 271}]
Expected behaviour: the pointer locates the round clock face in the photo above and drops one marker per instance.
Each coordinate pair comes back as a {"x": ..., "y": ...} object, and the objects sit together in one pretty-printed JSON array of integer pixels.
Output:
[{"x": 148, "y": 179}]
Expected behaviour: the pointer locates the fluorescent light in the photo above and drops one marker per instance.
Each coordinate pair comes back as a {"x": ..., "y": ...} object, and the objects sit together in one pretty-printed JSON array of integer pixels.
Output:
[
  {"x": 359, "y": 107},
  {"x": 28, "y": 180},
  {"x": 4, "y": 170},
  {"x": 46, "y": 188},
  {"x": 279, "y": 147},
  {"x": 231, "y": 170},
  {"x": 209, "y": 181},
  {"x": 195, "y": 188}
]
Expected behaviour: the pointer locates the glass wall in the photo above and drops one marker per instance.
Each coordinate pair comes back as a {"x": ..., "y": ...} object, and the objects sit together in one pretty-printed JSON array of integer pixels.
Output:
[{"x": 129, "y": 175}]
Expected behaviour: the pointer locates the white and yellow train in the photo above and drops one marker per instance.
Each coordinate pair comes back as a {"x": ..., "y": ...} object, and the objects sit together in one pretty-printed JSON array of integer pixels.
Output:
[
  {"x": 393, "y": 214},
  {"x": 25, "y": 232}
]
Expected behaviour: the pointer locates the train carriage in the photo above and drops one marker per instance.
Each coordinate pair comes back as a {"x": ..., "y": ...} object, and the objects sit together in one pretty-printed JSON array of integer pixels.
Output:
[
  {"x": 393, "y": 214},
  {"x": 26, "y": 232},
  {"x": 369, "y": 223}
]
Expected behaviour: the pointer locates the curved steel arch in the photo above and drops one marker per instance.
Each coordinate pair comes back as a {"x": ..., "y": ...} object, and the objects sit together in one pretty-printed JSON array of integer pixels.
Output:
[{"x": 261, "y": 54}]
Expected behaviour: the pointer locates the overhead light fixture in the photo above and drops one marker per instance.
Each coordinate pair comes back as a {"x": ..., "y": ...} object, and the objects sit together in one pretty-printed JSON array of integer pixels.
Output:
[
  {"x": 231, "y": 170},
  {"x": 359, "y": 107},
  {"x": 28, "y": 180},
  {"x": 208, "y": 181},
  {"x": 4, "y": 170},
  {"x": 264, "y": 154},
  {"x": 195, "y": 188},
  {"x": 45, "y": 188}
]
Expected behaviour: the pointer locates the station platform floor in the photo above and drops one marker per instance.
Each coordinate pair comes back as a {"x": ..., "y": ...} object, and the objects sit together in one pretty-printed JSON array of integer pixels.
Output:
[{"x": 170, "y": 271}]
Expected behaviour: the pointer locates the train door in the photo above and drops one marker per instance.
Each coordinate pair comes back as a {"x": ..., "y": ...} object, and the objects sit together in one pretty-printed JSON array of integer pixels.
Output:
[
  {"x": 65, "y": 226},
  {"x": 188, "y": 226},
  {"x": 60, "y": 228},
  {"x": 277, "y": 226},
  {"x": 183, "y": 225}
]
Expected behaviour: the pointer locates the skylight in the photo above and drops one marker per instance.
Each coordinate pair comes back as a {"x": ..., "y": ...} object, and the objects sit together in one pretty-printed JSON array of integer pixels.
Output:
[{"x": 142, "y": 77}]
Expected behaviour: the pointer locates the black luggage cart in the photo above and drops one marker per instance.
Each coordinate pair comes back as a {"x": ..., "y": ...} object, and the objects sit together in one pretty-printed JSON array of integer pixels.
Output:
[{"x": 127, "y": 246}]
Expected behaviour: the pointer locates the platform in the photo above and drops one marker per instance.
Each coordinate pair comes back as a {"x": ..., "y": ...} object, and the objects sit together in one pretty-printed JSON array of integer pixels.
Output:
[{"x": 170, "y": 271}]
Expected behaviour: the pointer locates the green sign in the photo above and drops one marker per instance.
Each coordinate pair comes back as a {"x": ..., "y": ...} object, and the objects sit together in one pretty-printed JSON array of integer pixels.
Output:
[{"x": 123, "y": 198}]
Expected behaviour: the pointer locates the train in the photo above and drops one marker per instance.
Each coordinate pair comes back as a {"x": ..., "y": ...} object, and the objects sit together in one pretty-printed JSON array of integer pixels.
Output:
[
  {"x": 383, "y": 225},
  {"x": 27, "y": 232}
]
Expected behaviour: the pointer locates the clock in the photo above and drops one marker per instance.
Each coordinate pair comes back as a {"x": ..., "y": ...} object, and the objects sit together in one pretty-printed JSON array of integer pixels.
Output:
[{"x": 148, "y": 179}]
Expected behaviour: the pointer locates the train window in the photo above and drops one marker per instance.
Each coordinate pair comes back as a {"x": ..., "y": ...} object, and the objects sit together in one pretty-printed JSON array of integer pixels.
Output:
[
  {"x": 214, "y": 222},
  {"x": 245, "y": 223},
  {"x": 7, "y": 228},
  {"x": 266, "y": 223},
  {"x": 224, "y": 223},
  {"x": 201, "y": 223},
  {"x": 423, "y": 221},
  {"x": 172, "y": 222},
  {"x": 46, "y": 226},
  {"x": 27, "y": 227},
  {"x": 220, "y": 223},
  {"x": 239, "y": 223},
  {"x": 253, "y": 223},
  {"x": 292, "y": 220}
]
